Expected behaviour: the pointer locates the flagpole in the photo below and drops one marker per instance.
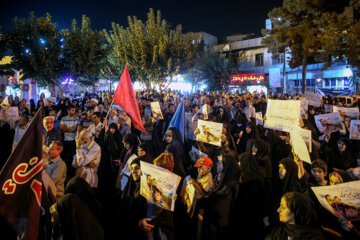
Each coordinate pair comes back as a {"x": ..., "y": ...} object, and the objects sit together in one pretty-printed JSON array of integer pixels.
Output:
[{"x": 107, "y": 114}]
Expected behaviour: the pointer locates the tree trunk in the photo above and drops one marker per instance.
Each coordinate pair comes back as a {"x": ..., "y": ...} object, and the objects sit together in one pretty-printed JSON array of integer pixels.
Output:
[
  {"x": 304, "y": 65},
  {"x": 51, "y": 89}
]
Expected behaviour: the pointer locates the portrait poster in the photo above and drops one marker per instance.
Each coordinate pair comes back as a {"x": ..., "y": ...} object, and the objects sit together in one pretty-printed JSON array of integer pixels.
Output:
[
  {"x": 353, "y": 113},
  {"x": 158, "y": 185},
  {"x": 328, "y": 108},
  {"x": 280, "y": 113},
  {"x": 259, "y": 118},
  {"x": 202, "y": 113},
  {"x": 329, "y": 121},
  {"x": 304, "y": 133},
  {"x": 156, "y": 110},
  {"x": 342, "y": 200},
  {"x": 209, "y": 132},
  {"x": 299, "y": 146},
  {"x": 355, "y": 129},
  {"x": 274, "y": 77},
  {"x": 314, "y": 99},
  {"x": 195, "y": 154},
  {"x": 189, "y": 196}
]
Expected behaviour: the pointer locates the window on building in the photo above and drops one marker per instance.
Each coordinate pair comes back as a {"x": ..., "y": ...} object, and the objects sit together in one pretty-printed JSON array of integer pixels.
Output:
[
  {"x": 333, "y": 82},
  {"x": 259, "y": 59},
  {"x": 346, "y": 82},
  {"x": 327, "y": 82},
  {"x": 298, "y": 83},
  {"x": 308, "y": 82},
  {"x": 279, "y": 59}
]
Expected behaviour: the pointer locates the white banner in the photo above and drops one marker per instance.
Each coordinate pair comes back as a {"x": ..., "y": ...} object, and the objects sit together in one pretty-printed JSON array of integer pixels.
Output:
[
  {"x": 314, "y": 99},
  {"x": 304, "y": 133},
  {"x": 274, "y": 77},
  {"x": 329, "y": 121},
  {"x": 299, "y": 146},
  {"x": 280, "y": 113}
]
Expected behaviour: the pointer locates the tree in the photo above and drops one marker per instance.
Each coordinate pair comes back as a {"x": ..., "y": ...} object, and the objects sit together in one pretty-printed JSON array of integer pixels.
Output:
[
  {"x": 215, "y": 69},
  {"x": 296, "y": 25},
  {"x": 85, "y": 51},
  {"x": 36, "y": 46},
  {"x": 153, "y": 51}
]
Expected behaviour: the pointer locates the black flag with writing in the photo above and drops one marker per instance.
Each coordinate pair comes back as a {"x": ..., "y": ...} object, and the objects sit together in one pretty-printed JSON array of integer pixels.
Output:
[{"x": 20, "y": 182}]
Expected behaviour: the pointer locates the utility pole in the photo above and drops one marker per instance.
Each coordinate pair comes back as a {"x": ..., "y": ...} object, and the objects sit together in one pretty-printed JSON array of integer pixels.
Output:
[{"x": 284, "y": 72}]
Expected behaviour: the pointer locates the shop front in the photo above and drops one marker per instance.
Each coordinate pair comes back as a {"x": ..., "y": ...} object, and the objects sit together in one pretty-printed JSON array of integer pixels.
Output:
[{"x": 253, "y": 82}]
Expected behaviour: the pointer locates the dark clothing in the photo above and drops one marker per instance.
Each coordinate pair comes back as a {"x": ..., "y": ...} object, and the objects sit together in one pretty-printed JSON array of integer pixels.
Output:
[{"x": 52, "y": 135}]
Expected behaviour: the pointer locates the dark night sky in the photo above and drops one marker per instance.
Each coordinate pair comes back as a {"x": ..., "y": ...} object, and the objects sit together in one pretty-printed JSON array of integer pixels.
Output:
[{"x": 219, "y": 18}]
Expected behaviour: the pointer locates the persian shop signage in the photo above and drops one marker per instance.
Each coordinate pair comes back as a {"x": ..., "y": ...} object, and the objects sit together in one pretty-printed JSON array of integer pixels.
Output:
[{"x": 254, "y": 78}]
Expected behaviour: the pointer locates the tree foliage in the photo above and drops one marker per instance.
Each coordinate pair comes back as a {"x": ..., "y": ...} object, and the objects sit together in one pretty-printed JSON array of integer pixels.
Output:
[
  {"x": 152, "y": 50},
  {"x": 215, "y": 69}
]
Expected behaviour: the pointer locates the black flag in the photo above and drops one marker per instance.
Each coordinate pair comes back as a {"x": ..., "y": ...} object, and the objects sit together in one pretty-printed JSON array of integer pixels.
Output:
[{"x": 21, "y": 183}]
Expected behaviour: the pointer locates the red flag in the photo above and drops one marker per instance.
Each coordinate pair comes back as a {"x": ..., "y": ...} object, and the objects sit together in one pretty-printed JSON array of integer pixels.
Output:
[
  {"x": 21, "y": 183},
  {"x": 124, "y": 96}
]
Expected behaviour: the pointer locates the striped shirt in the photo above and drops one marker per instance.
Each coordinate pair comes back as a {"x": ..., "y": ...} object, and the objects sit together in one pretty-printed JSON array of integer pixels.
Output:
[{"x": 57, "y": 171}]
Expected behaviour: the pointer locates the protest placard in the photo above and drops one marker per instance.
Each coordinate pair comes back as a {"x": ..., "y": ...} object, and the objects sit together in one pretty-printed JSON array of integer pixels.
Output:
[
  {"x": 156, "y": 110},
  {"x": 353, "y": 113},
  {"x": 330, "y": 121},
  {"x": 259, "y": 118},
  {"x": 202, "y": 113},
  {"x": 342, "y": 200},
  {"x": 299, "y": 146},
  {"x": 209, "y": 132},
  {"x": 13, "y": 114},
  {"x": 189, "y": 196},
  {"x": 304, "y": 133},
  {"x": 314, "y": 99},
  {"x": 195, "y": 154},
  {"x": 280, "y": 113},
  {"x": 158, "y": 185},
  {"x": 355, "y": 129},
  {"x": 328, "y": 108}
]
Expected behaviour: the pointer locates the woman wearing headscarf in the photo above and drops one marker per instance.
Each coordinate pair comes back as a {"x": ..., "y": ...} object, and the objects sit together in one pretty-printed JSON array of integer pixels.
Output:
[
  {"x": 291, "y": 177},
  {"x": 173, "y": 141},
  {"x": 144, "y": 151},
  {"x": 298, "y": 219},
  {"x": 132, "y": 205},
  {"x": 75, "y": 219}
]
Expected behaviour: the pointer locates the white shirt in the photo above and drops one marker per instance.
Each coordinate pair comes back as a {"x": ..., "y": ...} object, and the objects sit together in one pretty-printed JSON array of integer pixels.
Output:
[{"x": 83, "y": 157}]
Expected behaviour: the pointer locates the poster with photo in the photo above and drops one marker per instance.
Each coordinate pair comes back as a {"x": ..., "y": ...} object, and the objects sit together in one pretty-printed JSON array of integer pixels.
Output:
[
  {"x": 353, "y": 113},
  {"x": 259, "y": 118},
  {"x": 158, "y": 185},
  {"x": 189, "y": 196},
  {"x": 202, "y": 113},
  {"x": 195, "y": 154},
  {"x": 209, "y": 132},
  {"x": 355, "y": 129},
  {"x": 330, "y": 121},
  {"x": 342, "y": 200},
  {"x": 299, "y": 146},
  {"x": 13, "y": 114},
  {"x": 304, "y": 133},
  {"x": 280, "y": 113},
  {"x": 314, "y": 99},
  {"x": 156, "y": 110},
  {"x": 328, "y": 108}
]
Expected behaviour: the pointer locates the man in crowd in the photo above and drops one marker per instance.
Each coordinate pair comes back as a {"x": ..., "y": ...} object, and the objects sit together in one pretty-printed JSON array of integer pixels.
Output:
[
  {"x": 20, "y": 129},
  {"x": 57, "y": 167}
]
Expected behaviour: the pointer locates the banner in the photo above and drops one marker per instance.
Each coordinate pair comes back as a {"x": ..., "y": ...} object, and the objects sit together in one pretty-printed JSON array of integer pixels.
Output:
[
  {"x": 259, "y": 118},
  {"x": 342, "y": 200},
  {"x": 156, "y": 110},
  {"x": 195, "y": 154},
  {"x": 299, "y": 146},
  {"x": 13, "y": 114},
  {"x": 329, "y": 121},
  {"x": 304, "y": 133},
  {"x": 274, "y": 77},
  {"x": 189, "y": 196},
  {"x": 209, "y": 132},
  {"x": 353, "y": 113},
  {"x": 355, "y": 129},
  {"x": 280, "y": 113},
  {"x": 158, "y": 185},
  {"x": 314, "y": 99}
]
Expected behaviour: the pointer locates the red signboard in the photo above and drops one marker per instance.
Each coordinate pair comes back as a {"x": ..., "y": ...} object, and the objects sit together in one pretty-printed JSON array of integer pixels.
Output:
[{"x": 254, "y": 77}]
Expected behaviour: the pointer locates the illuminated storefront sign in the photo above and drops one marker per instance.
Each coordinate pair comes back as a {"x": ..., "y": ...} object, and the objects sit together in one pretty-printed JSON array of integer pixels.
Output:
[{"x": 254, "y": 78}]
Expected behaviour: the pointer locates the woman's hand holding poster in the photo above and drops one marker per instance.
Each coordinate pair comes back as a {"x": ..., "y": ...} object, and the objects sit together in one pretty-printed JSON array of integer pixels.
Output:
[
  {"x": 329, "y": 121},
  {"x": 280, "y": 113},
  {"x": 342, "y": 200},
  {"x": 158, "y": 185},
  {"x": 209, "y": 132}
]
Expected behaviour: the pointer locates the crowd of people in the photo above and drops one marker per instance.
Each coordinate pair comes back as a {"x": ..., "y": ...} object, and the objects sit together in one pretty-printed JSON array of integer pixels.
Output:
[{"x": 253, "y": 186}]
